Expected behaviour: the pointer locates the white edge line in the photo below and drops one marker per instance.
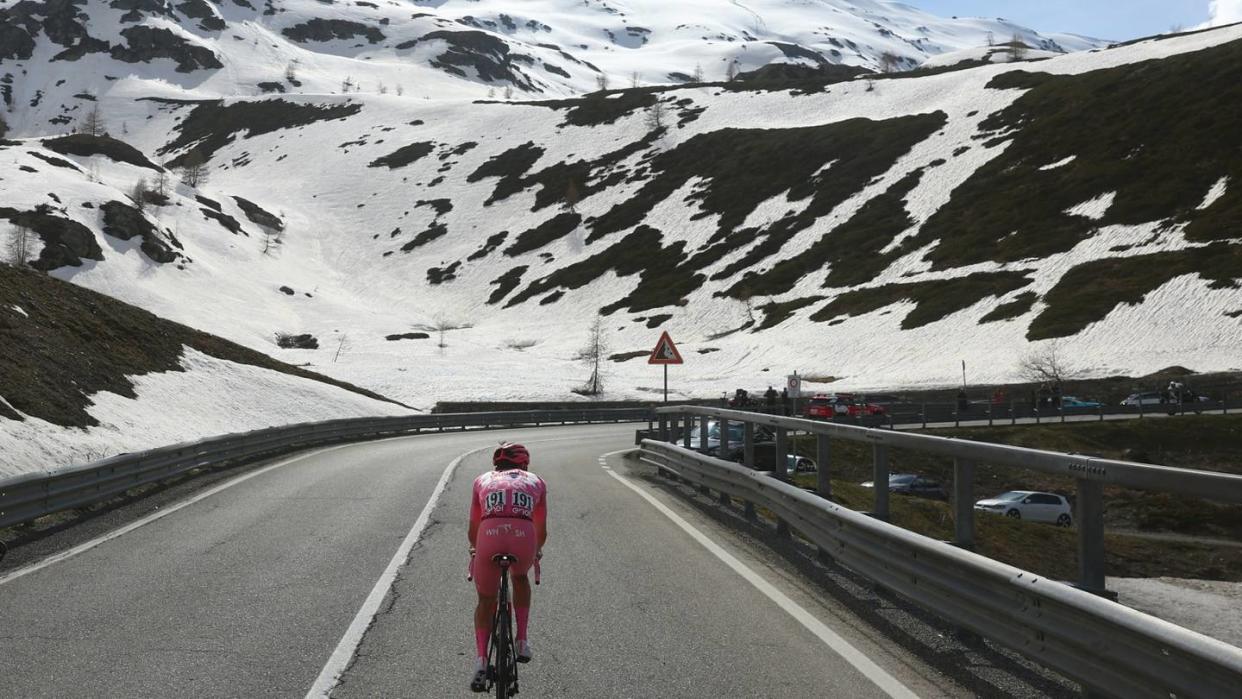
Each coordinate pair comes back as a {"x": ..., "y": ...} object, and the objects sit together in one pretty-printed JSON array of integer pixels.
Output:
[
  {"x": 164, "y": 512},
  {"x": 331, "y": 673},
  {"x": 886, "y": 682}
]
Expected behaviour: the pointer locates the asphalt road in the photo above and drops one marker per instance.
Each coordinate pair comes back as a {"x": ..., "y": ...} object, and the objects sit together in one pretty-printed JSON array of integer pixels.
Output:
[{"x": 248, "y": 591}]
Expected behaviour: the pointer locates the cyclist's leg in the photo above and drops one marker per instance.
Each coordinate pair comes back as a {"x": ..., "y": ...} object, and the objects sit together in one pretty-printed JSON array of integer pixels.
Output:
[{"x": 521, "y": 604}]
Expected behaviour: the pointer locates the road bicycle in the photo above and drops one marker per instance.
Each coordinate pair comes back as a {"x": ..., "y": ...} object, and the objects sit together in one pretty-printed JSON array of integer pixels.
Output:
[{"x": 502, "y": 674}]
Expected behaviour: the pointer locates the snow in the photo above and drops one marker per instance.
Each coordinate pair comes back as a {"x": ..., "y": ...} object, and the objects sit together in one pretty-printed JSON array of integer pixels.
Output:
[
  {"x": 1210, "y": 607},
  {"x": 1060, "y": 163},
  {"x": 986, "y": 54},
  {"x": 210, "y": 397},
  {"x": 1094, "y": 209},
  {"x": 19, "y": 309},
  {"x": 1215, "y": 193}
]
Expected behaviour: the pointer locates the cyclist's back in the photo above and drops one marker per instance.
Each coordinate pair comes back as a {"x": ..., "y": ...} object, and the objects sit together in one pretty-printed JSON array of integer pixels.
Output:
[{"x": 508, "y": 514}]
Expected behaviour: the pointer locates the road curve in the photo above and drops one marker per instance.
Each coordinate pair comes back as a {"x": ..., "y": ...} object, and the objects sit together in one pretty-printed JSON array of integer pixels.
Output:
[{"x": 248, "y": 592}]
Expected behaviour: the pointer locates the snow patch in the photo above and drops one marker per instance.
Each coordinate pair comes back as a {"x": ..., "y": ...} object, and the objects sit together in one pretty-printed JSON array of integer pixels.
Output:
[
  {"x": 1060, "y": 163},
  {"x": 19, "y": 309},
  {"x": 1216, "y": 192},
  {"x": 1094, "y": 209}
]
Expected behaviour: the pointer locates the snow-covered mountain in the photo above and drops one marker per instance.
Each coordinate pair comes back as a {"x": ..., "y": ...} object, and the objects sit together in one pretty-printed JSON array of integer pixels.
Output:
[
  {"x": 57, "y": 56},
  {"x": 876, "y": 230}
]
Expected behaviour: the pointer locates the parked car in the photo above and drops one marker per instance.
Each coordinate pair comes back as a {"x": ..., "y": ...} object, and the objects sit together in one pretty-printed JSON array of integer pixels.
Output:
[
  {"x": 1134, "y": 400},
  {"x": 911, "y": 484},
  {"x": 1030, "y": 505},
  {"x": 764, "y": 437},
  {"x": 1075, "y": 403},
  {"x": 832, "y": 406}
]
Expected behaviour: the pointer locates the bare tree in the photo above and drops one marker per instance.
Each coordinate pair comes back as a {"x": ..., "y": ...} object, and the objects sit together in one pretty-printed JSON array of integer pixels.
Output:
[
  {"x": 747, "y": 299},
  {"x": 383, "y": 89},
  {"x": 654, "y": 119},
  {"x": 161, "y": 180},
  {"x": 635, "y": 79},
  {"x": 1017, "y": 48},
  {"x": 347, "y": 85},
  {"x": 731, "y": 71},
  {"x": 92, "y": 124},
  {"x": 441, "y": 326},
  {"x": 4, "y": 127},
  {"x": 18, "y": 247},
  {"x": 508, "y": 92},
  {"x": 272, "y": 238},
  {"x": 697, "y": 75},
  {"x": 890, "y": 62},
  {"x": 592, "y": 356},
  {"x": 991, "y": 39},
  {"x": 400, "y": 90},
  {"x": 491, "y": 93},
  {"x": 140, "y": 195},
  {"x": 194, "y": 171},
  {"x": 343, "y": 345},
  {"x": 291, "y": 72},
  {"x": 572, "y": 197},
  {"x": 1046, "y": 364},
  {"x": 601, "y": 81}
]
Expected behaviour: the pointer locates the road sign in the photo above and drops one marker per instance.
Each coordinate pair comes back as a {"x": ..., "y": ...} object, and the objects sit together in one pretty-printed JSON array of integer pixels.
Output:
[
  {"x": 793, "y": 385},
  {"x": 665, "y": 352}
]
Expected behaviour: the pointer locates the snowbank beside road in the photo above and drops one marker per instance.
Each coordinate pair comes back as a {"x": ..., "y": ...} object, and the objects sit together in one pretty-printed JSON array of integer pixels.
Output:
[{"x": 210, "y": 397}]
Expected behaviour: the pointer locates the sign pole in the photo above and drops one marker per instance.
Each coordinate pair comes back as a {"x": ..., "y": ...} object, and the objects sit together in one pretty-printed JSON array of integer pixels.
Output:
[{"x": 665, "y": 383}]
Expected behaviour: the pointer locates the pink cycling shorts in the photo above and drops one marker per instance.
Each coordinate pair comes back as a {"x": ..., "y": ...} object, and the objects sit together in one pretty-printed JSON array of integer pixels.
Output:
[{"x": 514, "y": 536}]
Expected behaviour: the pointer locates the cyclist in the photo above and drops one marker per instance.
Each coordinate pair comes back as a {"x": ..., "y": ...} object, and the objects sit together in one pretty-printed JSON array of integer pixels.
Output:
[{"x": 508, "y": 514}]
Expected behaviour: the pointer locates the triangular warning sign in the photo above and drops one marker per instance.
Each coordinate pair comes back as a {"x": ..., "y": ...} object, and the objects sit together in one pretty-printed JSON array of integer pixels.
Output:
[{"x": 665, "y": 352}]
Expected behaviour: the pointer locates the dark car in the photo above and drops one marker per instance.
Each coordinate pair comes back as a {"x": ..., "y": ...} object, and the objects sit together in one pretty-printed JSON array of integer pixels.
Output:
[{"x": 915, "y": 485}]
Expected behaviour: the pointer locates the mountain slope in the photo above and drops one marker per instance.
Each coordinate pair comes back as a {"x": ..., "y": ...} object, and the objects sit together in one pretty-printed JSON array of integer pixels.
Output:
[
  {"x": 60, "y": 57},
  {"x": 879, "y": 230}
]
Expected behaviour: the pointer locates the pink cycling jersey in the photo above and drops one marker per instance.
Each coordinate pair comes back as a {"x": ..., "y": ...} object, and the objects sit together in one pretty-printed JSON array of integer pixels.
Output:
[{"x": 509, "y": 509}]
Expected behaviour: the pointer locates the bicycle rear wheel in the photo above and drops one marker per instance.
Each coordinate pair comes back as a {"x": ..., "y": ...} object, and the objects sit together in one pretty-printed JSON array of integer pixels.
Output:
[{"x": 502, "y": 640}]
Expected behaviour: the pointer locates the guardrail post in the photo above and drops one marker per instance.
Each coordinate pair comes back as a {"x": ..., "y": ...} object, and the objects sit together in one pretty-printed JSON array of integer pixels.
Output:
[
  {"x": 989, "y": 416},
  {"x": 924, "y": 414},
  {"x": 663, "y": 428},
  {"x": 703, "y": 433},
  {"x": 964, "y": 503},
  {"x": 1089, "y": 518},
  {"x": 748, "y": 446},
  {"x": 685, "y": 434},
  {"x": 1140, "y": 402},
  {"x": 780, "y": 469},
  {"x": 823, "y": 460},
  {"x": 879, "y": 478},
  {"x": 1013, "y": 415}
]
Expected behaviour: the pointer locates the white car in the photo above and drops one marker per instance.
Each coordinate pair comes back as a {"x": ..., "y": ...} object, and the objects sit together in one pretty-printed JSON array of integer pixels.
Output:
[{"x": 1030, "y": 505}]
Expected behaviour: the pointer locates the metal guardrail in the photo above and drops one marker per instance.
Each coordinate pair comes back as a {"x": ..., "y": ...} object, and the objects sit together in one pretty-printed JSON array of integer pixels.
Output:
[
  {"x": 1089, "y": 473},
  {"x": 28, "y": 497},
  {"x": 1104, "y": 646},
  {"x": 941, "y": 414}
]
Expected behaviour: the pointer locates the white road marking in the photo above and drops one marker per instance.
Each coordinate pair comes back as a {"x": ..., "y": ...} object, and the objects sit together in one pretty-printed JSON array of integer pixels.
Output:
[
  {"x": 331, "y": 673},
  {"x": 886, "y": 682},
  {"x": 88, "y": 545}
]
